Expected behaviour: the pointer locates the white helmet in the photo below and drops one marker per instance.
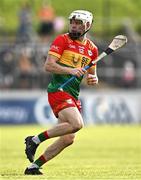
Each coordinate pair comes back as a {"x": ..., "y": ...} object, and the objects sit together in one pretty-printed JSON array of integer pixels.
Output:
[{"x": 84, "y": 16}]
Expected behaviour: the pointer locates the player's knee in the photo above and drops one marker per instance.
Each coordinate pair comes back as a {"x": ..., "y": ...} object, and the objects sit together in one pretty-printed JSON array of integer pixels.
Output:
[
  {"x": 68, "y": 139},
  {"x": 77, "y": 126}
]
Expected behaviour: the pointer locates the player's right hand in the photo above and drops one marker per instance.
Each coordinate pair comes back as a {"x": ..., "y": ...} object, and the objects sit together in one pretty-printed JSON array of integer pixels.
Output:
[{"x": 78, "y": 72}]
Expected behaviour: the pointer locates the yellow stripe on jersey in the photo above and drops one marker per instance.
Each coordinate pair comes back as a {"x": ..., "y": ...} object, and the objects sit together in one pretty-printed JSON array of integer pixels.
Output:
[
  {"x": 74, "y": 59},
  {"x": 54, "y": 54}
]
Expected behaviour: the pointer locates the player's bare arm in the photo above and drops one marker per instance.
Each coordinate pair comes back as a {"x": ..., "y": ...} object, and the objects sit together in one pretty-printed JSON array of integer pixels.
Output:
[{"x": 52, "y": 66}]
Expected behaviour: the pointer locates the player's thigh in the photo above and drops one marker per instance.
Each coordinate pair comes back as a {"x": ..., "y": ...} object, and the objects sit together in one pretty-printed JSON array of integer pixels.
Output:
[{"x": 71, "y": 115}]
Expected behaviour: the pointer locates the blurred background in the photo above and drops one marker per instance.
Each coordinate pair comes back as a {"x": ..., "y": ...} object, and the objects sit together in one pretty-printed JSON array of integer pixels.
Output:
[{"x": 27, "y": 29}]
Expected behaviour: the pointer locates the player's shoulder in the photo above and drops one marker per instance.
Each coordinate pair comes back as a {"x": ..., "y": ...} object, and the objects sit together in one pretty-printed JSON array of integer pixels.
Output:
[
  {"x": 91, "y": 44},
  {"x": 63, "y": 37}
]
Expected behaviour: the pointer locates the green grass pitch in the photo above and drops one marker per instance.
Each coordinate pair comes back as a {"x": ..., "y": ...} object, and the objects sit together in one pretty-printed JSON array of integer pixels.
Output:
[{"x": 99, "y": 152}]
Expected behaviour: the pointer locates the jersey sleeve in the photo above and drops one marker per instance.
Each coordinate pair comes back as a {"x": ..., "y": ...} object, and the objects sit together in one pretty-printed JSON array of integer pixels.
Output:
[
  {"x": 95, "y": 54},
  {"x": 57, "y": 47}
]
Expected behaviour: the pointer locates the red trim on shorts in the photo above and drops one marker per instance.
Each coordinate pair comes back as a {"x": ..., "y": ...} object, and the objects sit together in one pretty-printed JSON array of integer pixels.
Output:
[{"x": 60, "y": 100}]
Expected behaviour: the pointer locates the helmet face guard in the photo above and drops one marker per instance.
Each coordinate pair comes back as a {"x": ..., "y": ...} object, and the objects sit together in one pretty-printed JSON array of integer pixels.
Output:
[{"x": 84, "y": 16}]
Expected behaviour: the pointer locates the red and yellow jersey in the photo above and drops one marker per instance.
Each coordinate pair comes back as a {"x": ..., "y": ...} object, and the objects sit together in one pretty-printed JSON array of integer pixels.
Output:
[{"x": 71, "y": 53}]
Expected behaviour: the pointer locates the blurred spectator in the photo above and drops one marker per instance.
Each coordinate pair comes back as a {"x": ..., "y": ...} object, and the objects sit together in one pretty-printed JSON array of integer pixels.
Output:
[
  {"x": 59, "y": 24},
  {"x": 26, "y": 68},
  {"x": 25, "y": 30},
  {"x": 128, "y": 74},
  {"x": 46, "y": 20},
  {"x": 7, "y": 69},
  {"x": 24, "y": 63}
]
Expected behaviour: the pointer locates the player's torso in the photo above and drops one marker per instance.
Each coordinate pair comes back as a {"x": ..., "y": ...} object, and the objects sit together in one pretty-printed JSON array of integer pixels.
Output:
[
  {"x": 76, "y": 54},
  {"x": 72, "y": 54}
]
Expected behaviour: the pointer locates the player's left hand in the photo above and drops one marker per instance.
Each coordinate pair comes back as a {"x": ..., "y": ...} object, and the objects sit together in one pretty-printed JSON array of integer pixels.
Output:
[{"x": 92, "y": 79}]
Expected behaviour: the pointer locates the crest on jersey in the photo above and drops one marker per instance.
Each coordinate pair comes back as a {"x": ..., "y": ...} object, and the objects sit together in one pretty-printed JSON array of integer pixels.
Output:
[{"x": 90, "y": 53}]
